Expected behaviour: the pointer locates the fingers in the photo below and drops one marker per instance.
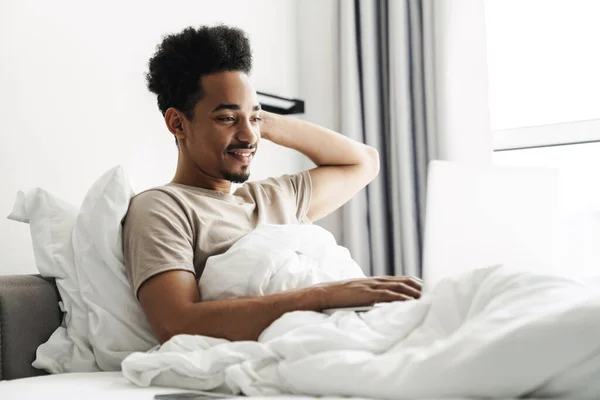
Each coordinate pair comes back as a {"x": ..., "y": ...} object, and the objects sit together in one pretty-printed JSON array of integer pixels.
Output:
[
  {"x": 405, "y": 289},
  {"x": 386, "y": 296},
  {"x": 409, "y": 280},
  {"x": 367, "y": 291},
  {"x": 414, "y": 282},
  {"x": 403, "y": 285}
]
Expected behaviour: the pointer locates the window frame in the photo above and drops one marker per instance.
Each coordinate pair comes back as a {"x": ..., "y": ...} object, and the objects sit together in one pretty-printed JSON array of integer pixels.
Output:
[{"x": 561, "y": 134}]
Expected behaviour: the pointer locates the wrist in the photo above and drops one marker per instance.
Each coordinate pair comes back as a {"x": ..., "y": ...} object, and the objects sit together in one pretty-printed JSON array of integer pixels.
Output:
[
  {"x": 312, "y": 298},
  {"x": 316, "y": 297}
]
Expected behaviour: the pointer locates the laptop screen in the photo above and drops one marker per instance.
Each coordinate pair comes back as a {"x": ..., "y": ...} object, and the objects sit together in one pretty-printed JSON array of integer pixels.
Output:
[{"x": 483, "y": 216}]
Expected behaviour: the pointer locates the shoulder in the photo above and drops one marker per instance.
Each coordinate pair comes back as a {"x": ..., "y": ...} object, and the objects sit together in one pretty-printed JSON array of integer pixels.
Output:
[
  {"x": 159, "y": 196},
  {"x": 288, "y": 184},
  {"x": 158, "y": 204},
  {"x": 291, "y": 194}
]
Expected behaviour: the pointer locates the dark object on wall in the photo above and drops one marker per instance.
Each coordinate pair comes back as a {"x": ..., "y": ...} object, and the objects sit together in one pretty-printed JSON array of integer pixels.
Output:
[{"x": 280, "y": 105}]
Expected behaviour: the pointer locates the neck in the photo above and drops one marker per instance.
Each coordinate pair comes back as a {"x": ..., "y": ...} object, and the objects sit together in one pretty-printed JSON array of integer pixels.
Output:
[{"x": 191, "y": 175}]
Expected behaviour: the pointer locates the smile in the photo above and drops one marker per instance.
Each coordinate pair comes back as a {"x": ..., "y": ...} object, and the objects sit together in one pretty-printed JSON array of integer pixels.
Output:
[
  {"x": 249, "y": 155},
  {"x": 242, "y": 156}
]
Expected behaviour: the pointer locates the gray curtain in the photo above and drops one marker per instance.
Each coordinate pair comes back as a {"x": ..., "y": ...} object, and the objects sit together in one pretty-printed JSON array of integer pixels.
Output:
[{"x": 387, "y": 101}]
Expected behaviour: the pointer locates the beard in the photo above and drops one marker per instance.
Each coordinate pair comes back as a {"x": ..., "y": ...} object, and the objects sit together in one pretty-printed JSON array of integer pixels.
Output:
[{"x": 239, "y": 177}]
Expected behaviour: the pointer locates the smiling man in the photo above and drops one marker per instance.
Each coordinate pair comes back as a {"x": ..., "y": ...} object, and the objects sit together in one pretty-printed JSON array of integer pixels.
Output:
[{"x": 201, "y": 79}]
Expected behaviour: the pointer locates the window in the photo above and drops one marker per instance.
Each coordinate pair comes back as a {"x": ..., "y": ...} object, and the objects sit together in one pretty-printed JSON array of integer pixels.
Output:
[
  {"x": 544, "y": 90},
  {"x": 544, "y": 98},
  {"x": 544, "y": 72}
]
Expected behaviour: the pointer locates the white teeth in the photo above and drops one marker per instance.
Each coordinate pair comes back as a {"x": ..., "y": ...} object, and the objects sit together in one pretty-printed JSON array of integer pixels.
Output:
[{"x": 243, "y": 154}]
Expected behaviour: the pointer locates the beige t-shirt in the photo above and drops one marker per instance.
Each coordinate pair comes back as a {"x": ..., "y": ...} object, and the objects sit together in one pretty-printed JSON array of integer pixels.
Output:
[{"x": 177, "y": 227}]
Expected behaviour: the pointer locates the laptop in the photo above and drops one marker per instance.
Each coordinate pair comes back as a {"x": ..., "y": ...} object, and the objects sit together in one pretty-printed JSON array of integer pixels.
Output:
[
  {"x": 478, "y": 216},
  {"x": 483, "y": 216}
]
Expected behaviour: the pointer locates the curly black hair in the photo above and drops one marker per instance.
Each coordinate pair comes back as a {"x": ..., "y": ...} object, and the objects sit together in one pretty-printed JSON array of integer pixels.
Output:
[{"x": 181, "y": 59}]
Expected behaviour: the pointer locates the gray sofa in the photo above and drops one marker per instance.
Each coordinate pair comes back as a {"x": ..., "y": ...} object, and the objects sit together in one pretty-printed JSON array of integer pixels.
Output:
[{"x": 29, "y": 314}]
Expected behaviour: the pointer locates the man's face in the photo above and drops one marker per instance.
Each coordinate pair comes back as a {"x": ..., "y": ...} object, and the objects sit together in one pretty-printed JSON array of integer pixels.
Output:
[{"x": 225, "y": 128}]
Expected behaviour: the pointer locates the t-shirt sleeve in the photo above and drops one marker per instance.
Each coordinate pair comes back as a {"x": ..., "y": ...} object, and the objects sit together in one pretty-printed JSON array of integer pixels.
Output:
[
  {"x": 297, "y": 188},
  {"x": 157, "y": 237},
  {"x": 302, "y": 186}
]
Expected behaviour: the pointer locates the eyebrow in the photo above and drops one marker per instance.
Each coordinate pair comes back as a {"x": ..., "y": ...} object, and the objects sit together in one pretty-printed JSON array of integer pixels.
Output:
[{"x": 234, "y": 107}]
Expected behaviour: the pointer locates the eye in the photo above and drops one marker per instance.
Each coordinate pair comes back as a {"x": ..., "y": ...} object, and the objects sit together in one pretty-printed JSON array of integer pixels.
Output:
[
  {"x": 256, "y": 119},
  {"x": 226, "y": 119}
]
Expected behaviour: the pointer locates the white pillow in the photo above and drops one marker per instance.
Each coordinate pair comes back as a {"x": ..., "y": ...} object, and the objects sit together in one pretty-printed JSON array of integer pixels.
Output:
[
  {"x": 51, "y": 222},
  {"x": 117, "y": 324}
]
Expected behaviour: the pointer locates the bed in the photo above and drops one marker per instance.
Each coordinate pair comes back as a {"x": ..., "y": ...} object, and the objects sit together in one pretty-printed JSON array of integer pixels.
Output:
[
  {"x": 94, "y": 386},
  {"x": 29, "y": 313}
]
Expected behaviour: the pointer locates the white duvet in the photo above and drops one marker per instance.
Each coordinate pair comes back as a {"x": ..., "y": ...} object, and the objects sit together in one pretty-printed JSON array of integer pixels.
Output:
[{"x": 492, "y": 332}]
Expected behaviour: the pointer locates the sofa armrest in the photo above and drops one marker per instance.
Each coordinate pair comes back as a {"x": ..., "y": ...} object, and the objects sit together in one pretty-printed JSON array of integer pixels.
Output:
[{"x": 29, "y": 314}]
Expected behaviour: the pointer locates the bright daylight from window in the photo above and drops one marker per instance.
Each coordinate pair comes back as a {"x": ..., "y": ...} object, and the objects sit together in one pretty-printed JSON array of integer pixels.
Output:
[
  {"x": 543, "y": 62},
  {"x": 544, "y": 90}
]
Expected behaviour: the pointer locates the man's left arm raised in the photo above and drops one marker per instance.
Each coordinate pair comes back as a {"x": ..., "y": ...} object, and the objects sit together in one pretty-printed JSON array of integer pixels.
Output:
[{"x": 344, "y": 166}]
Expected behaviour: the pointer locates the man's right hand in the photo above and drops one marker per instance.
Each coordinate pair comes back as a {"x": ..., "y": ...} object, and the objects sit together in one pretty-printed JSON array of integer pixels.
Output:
[{"x": 368, "y": 291}]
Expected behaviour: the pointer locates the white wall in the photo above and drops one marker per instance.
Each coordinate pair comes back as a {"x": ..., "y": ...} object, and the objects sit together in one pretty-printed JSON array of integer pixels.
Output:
[
  {"x": 73, "y": 101},
  {"x": 461, "y": 86},
  {"x": 318, "y": 63}
]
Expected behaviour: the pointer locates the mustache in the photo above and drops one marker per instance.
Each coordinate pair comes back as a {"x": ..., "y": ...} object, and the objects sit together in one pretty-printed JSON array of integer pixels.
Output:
[{"x": 243, "y": 146}]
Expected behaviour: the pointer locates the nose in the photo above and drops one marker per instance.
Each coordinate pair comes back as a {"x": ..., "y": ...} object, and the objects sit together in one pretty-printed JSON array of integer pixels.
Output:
[{"x": 248, "y": 133}]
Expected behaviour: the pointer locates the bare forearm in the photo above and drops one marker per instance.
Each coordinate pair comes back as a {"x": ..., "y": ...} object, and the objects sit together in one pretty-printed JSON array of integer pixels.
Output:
[
  {"x": 321, "y": 145},
  {"x": 172, "y": 304},
  {"x": 244, "y": 319}
]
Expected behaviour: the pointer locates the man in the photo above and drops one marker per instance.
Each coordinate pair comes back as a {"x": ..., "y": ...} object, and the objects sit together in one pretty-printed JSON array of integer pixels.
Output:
[{"x": 200, "y": 77}]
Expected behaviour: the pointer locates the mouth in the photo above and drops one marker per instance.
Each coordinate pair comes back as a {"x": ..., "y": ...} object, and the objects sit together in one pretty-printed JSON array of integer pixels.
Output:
[{"x": 242, "y": 156}]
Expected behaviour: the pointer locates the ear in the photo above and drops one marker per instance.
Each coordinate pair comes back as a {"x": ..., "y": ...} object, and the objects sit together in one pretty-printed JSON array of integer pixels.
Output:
[{"x": 175, "y": 121}]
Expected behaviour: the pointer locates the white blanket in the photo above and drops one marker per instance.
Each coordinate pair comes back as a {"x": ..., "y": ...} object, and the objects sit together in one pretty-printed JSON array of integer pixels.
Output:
[
  {"x": 274, "y": 258},
  {"x": 492, "y": 332}
]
